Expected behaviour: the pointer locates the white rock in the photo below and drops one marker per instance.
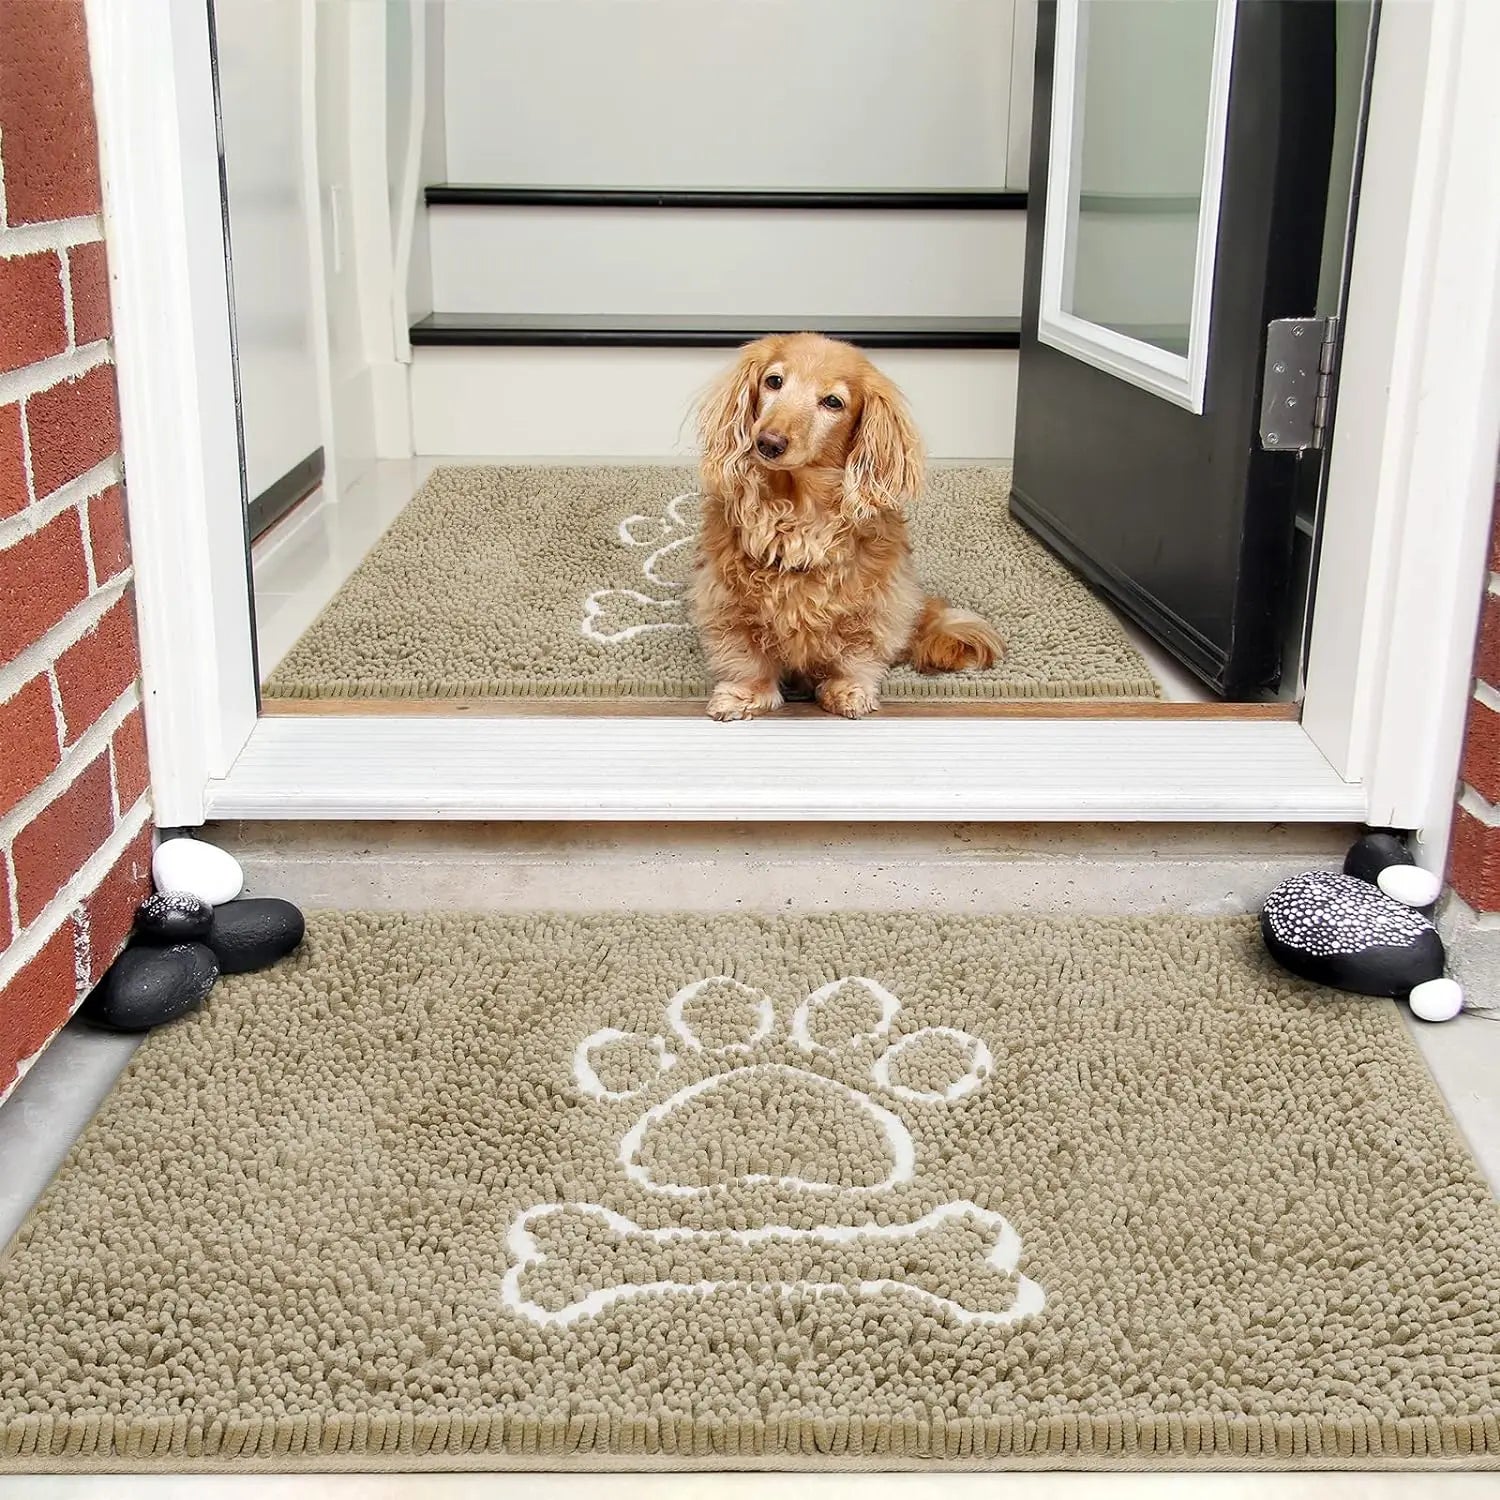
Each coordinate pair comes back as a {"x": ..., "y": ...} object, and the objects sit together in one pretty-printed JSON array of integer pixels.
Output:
[
  {"x": 202, "y": 870},
  {"x": 1437, "y": 1000},
  {"x": 1411, "y": 885}
]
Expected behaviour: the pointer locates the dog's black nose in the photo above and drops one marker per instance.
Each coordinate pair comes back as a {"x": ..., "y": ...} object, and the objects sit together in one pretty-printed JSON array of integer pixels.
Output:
[{"x": 771, "y": 444}]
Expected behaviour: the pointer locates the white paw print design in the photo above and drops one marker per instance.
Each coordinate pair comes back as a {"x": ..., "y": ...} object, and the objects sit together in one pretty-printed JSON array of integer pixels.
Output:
[
  {"x": 613, "y": 615},
  {"x": 738, "y": 1102},
  {"x": 948, "y": 1065}
]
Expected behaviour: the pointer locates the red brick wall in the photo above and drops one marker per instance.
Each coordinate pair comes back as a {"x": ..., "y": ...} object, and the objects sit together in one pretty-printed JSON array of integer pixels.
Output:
[
  {"x": 1474, "y": 856},
  {"x": 75, "y": 833}
]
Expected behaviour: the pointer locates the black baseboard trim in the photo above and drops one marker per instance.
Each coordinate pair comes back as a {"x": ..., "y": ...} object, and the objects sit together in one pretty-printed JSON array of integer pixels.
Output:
[
  {"x": 581, "y": 331},
  {"x": 923, "y": 200},
  {"x": 273, "y": 502}
]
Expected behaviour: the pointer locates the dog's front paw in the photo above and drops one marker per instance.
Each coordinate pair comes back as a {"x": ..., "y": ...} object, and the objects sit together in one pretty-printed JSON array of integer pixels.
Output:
[
  {"x": 741, "y": 700},
  {"x": 853, "y": 700}
]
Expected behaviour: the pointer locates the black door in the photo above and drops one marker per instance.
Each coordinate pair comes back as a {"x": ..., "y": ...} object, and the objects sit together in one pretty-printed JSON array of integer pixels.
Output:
[{"x": 1138, "y": 445}]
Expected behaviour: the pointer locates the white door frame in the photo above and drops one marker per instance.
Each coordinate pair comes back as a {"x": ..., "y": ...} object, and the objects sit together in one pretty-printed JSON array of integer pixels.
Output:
[
  {"x": 169, "y": 291},
  {"x": 1397, "y": 595},
  {"x": 1413, "y": 461}
]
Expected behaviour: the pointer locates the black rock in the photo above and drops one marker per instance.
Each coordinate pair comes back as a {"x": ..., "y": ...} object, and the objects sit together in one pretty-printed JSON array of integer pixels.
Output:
[
  {"x": 1375, "y": 852},
  {"x": 180, "y": 918},
  {"x": 253, "y": 933},
  {"x": 1340, "y": 931},
  {"x": 145, "y": 987}
]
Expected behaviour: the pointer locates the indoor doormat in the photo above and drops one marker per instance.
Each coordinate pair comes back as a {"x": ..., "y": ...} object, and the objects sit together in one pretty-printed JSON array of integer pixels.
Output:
[
  {"x": 726, "y": 1192},
  {"x": 533, "y": 582}
]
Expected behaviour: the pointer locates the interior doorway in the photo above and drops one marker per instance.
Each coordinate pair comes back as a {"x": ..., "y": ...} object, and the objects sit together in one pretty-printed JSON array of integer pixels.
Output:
[{"x": 492, "y": 256}]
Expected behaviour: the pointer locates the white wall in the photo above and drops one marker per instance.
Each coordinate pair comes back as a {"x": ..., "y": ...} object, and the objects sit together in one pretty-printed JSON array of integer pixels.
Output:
[
  {"x": 1146, "y": 71},
  {"x": 1140, "y": 169},
  {"x": 415, "y": 152},
  {"x": 370, "y": 409},
  {"x": 352, "y": 404},
  {"x": 433, "y": 162},
  {"x": 522, "y": 404},
  {"x": 749, "y": 93},
  {"x": 260, "y": 102},
  {"x": 796, "y": 265},
  {"x": 400, "y": 93}
]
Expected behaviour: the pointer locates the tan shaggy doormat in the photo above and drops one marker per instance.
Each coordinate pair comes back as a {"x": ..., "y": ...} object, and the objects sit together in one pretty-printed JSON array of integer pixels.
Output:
[
  {"x": 842, "y": 1191},
  {"x": 504, "y": 582}
]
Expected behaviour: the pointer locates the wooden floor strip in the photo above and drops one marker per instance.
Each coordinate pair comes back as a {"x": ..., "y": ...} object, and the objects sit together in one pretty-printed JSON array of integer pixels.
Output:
[{"x": 692, "y": 708}]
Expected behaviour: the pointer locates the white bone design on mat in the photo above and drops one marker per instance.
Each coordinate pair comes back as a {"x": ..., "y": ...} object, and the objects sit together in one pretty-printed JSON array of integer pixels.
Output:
[
  {"x": 658, "y": 1055},
  {"x": 612, "y": 615},
  {"x": 1002, "y": 1255}
]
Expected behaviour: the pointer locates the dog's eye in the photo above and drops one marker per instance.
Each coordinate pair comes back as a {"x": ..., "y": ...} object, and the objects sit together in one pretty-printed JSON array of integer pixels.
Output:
[
  {"x": 834, "y": 403},
  {"x": 773, "y": 382}
]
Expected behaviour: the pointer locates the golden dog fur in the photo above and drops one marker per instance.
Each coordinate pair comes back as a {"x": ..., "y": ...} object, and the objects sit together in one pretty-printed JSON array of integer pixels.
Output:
[{"x": 804, "y": 570}]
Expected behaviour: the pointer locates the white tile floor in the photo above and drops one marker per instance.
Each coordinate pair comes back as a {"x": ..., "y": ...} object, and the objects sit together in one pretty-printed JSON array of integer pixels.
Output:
[
  {"x": 773, "y": 1486},
  {"x": 300, "y": 564}
]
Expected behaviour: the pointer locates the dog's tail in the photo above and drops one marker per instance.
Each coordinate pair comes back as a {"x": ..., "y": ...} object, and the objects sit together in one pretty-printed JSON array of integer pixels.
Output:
[{"x": 952, "y": 640}]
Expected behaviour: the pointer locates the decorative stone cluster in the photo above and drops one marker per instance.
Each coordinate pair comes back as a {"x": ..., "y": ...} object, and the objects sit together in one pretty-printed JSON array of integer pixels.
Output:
[
  {"x": 1360, "y": 931},
  {"x": 188, "y": 934}
]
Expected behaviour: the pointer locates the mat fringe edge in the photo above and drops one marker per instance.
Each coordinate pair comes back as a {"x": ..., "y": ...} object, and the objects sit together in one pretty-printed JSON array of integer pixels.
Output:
[
  {"x": 98, "y": 1436},
  {"x": 955, "y": 687}
]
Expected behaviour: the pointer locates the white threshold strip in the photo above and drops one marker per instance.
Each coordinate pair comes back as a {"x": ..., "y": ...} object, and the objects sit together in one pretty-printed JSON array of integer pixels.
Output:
[{"x": 1059, "y": 770}]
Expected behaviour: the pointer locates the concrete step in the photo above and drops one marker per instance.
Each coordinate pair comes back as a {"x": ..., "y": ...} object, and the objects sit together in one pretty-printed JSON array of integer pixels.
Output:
[{"x": 1078, "y": 869}]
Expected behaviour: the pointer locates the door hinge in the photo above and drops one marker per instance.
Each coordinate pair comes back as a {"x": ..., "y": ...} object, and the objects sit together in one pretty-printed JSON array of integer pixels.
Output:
[{"x": 1297, "y": 388}]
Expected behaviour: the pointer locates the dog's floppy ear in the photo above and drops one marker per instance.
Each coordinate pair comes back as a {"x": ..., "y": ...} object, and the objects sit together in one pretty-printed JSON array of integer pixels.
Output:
[
  {"x": 884, "y": 468},
  {"x": 725, "y": 419}
]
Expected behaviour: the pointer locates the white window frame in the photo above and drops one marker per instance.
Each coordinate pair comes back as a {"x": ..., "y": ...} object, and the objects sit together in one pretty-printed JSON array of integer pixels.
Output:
[
  {"x": 1394, "y": 615},
  {"x": 1177, "y": 378}
]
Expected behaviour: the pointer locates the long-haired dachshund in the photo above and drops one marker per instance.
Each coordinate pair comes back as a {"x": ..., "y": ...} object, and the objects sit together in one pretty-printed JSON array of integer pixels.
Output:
[{"x": 804, "y": 570}]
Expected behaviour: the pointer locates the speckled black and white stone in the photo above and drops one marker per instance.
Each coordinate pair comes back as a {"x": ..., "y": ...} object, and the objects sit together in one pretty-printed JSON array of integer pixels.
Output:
[
  {"x": 1374, "y": 852},
  {"x": 1341, "y": 931},
  {"x": 176, "y": 917}
]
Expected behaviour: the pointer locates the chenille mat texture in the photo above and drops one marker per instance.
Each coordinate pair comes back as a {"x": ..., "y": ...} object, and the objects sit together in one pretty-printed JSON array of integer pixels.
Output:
[
  {"x": 732, "y": 1191},
  {"x": 529, "y": 582}
]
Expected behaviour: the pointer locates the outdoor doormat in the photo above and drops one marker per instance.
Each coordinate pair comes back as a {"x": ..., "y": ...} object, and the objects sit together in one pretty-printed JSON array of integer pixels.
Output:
[
  {"x": 720, "y": 1192},
  {"x": 506, "y": 582}
]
